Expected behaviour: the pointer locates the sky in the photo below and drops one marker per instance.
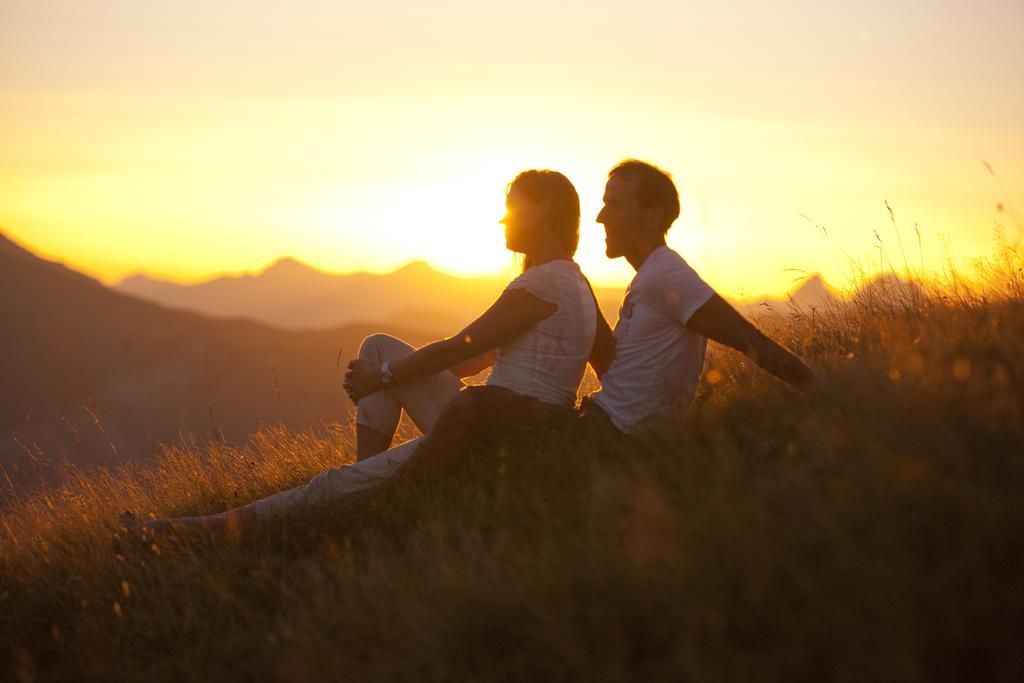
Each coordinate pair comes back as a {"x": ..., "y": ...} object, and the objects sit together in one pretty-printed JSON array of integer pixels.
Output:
[{"x": 187, "y": 139}]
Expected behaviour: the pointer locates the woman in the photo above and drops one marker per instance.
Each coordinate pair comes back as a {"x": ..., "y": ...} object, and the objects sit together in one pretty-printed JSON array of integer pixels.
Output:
[{"x": 538, "y": 336}]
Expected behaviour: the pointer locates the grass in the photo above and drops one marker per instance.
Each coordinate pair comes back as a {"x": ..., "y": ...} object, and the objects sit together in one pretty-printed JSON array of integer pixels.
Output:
[{"x": 870, "y": 528}]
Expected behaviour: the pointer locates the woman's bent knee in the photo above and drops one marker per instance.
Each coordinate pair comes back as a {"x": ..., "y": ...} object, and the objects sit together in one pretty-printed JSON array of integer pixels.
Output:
[{"x": 380, "y": 347}]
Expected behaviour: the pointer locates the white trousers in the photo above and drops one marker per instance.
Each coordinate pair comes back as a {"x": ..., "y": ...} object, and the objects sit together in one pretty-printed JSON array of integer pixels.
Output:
[{"x": 423, "y": 400}]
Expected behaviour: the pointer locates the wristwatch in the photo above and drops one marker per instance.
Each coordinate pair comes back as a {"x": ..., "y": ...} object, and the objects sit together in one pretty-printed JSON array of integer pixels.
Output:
[{"x": 386, "y": 378}]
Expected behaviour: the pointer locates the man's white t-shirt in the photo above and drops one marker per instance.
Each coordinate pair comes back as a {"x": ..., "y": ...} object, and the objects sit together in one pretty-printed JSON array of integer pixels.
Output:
[{"x": 658, "y": 360}]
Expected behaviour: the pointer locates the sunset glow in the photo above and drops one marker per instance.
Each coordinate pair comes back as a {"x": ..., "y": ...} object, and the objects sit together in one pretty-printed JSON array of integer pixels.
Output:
[{"x": 185, "y": 141}]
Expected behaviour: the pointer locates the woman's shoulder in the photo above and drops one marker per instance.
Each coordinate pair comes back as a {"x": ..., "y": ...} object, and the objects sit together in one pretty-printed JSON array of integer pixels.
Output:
[
  {"x": 548, "y": 278},
  {"x": 552, "y": 270}
]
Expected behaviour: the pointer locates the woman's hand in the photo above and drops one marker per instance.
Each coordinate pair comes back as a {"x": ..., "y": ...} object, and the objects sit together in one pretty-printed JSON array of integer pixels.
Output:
[
  {"x": 515, "y": 311},
  {"x": 362, "y": 379}
]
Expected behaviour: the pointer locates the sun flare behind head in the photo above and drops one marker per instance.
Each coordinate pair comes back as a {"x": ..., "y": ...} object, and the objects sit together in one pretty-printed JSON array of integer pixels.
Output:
[{"x": 449, "y": 218}]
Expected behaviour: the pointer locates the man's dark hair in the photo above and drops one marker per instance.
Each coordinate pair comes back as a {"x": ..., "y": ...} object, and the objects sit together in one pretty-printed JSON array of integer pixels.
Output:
[{"x": 654, "y": 189}]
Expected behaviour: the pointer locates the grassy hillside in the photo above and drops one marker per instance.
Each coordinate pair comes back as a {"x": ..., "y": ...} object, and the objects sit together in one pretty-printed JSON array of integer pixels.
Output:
[{"x": 870, "y": 528}]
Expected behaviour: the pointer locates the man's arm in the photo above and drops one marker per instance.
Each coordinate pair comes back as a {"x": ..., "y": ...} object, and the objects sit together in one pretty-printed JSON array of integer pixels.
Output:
[
  {"x": 603, "y": 353},
  {"x": 717, "y": 320}
]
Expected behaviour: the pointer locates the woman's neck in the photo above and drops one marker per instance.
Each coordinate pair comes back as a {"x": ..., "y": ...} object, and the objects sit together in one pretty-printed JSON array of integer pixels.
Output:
[{"x": 547, "y": 252}]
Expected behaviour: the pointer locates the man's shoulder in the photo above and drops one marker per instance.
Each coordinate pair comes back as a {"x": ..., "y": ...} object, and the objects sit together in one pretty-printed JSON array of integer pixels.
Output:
[
  {"x": 673, "y": 287},
  {"x": 667, "y": 268},
  {"x": 669, "y": 258}
]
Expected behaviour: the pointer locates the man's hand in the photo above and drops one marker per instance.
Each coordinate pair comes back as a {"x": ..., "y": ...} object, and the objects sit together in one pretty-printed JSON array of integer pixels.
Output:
[{"x": 362, "y": 379}]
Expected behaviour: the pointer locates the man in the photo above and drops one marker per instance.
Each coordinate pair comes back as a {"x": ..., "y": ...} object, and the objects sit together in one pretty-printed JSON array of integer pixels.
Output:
[{"x": 649, "y": 366}]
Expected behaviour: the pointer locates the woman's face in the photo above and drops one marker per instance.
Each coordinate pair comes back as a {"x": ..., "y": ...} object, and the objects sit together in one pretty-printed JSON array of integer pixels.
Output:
[{"x": 523, "y": 221}]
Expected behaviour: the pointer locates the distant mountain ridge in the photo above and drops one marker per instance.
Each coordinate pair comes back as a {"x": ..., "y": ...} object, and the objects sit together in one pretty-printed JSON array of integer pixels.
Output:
[{"x": 294, "y": 295}]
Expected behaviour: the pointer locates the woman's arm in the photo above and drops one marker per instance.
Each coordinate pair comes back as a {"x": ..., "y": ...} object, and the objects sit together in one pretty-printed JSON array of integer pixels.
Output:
[
  {"x": 470, "y": 367},
  {"x": 514, "y": 312}
]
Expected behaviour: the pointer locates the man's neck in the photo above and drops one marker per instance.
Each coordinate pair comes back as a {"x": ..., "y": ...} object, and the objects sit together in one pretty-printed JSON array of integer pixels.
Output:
[{"x": 637, "y": 256}]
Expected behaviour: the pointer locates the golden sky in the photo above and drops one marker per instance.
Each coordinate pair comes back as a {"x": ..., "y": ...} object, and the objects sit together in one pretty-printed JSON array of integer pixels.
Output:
[{"x": 184, "y": 139}]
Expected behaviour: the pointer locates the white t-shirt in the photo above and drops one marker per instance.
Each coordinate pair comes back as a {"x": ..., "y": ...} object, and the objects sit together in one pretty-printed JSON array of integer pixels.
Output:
[
  {"x": 548, "y": 360},
  {"x": 658, "y": 360}
]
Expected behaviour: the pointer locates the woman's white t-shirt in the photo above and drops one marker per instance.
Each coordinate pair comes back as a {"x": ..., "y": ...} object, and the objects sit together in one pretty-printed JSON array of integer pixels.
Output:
[{"x": 548, "y": 360}]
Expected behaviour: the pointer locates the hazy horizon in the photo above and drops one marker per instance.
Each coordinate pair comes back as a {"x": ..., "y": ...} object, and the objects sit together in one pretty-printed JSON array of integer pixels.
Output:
[
  {"x": 191, "y": 140},
  {"x": 796, "y": 283}
]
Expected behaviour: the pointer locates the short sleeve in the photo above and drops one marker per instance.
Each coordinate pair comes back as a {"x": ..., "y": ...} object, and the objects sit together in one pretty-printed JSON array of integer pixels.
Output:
[
  {"x": 680, "y": 291},
  {"x": 539, "y": 281}
]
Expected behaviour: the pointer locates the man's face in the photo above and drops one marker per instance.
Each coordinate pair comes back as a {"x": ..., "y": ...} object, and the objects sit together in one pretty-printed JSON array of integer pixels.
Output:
[{"x": 623, "y": 220}]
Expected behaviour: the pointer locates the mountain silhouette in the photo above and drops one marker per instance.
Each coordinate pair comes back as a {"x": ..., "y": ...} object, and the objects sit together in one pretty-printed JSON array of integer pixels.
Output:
[
  {"x": 73, "y": 349},
  {"x": 888, "y": 289},
  {"x": 812, "y": 293},
  {"x": 293, "y": 295}
]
